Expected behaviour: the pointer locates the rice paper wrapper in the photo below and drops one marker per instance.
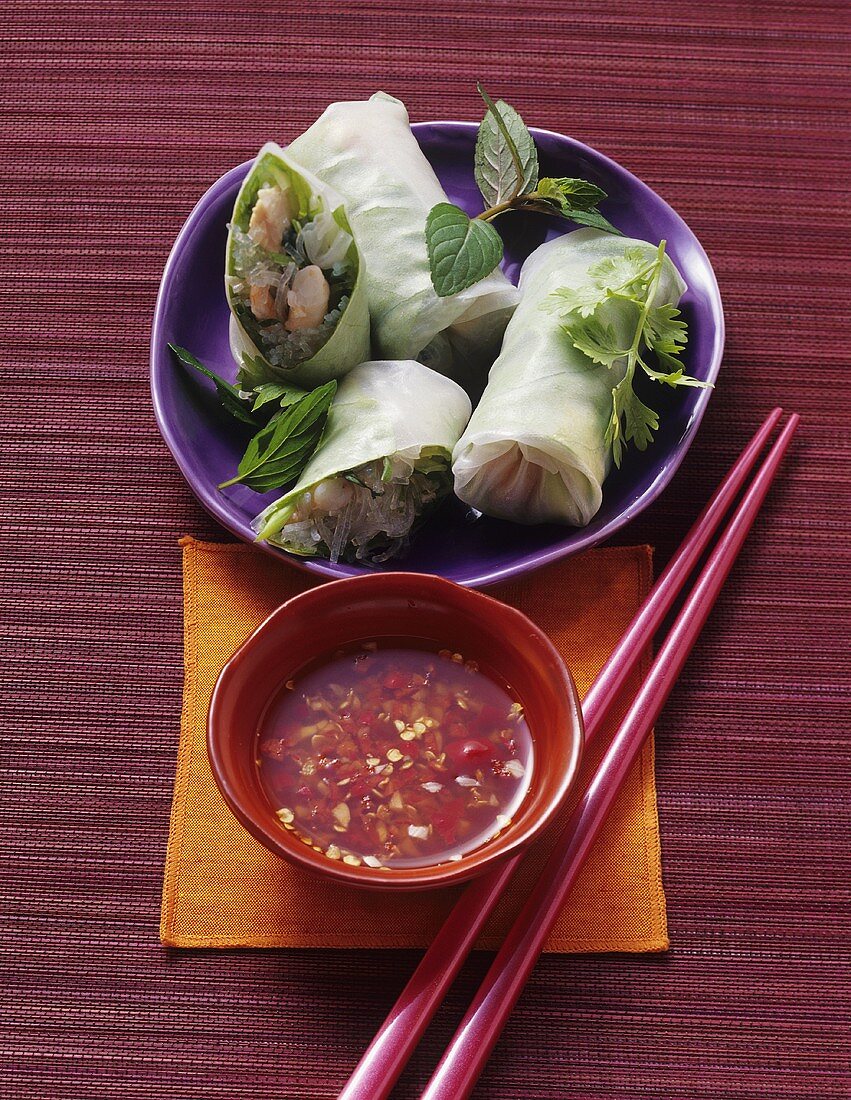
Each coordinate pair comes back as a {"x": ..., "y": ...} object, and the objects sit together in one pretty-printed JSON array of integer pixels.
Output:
[
  {"x": 366, "y": 150},
  {"x": 535, "y": 450},
  {"x": 349, "y": 344},
  {"x": 384, "y": 408}
]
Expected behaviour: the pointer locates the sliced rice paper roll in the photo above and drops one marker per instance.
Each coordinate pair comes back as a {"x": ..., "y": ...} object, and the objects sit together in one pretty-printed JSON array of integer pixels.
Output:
[
  {"x": 381, "y": 465},
  {"x": 293, "y": 277},
  {"x": 535, "y": 450},
  {"x": 366, "y": 150}
]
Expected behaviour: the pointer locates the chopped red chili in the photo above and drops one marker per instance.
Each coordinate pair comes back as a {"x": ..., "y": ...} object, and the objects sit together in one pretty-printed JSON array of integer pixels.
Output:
[{"x": 393, "y": 756}]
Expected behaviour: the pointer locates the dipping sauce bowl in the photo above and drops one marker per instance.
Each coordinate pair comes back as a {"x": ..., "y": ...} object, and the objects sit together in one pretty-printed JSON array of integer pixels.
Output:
[{"x": 428, "y": 613}]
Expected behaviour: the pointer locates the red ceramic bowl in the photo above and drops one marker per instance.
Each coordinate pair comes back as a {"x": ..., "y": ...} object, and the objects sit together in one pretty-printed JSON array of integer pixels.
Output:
[{"x": 395, "y": 605}]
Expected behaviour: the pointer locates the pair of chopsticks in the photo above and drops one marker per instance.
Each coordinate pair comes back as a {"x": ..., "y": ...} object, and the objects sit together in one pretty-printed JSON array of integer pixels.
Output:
[{"x": 467, "y": 1053}]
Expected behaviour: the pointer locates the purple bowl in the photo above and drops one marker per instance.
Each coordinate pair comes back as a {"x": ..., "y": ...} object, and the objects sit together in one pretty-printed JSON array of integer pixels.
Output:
[{"x": 207, "y": 444}]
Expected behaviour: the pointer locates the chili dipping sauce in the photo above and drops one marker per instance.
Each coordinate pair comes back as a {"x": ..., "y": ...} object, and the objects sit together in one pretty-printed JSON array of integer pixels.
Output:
[{"x": 391, "y": 755}]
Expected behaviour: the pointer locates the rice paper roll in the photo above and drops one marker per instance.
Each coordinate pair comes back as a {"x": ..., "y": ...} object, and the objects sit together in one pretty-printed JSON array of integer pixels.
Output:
[
  {"x": 535, "y": 449},
  {"x": 381, "y": 465},
  {"x": 366, "y": 150},
  {"x": 293, "y": 277}
]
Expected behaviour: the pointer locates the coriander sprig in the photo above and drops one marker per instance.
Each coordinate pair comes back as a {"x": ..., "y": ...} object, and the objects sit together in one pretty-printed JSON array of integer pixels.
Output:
[
  {"x": 463, "y": 250},
  {"x": 632, "y": 278}
]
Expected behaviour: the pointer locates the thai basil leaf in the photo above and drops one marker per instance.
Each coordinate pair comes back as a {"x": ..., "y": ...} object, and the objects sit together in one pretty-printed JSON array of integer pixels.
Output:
[
  {"x": 276, "y": 455},
  {"x": 228, "y": 394}
]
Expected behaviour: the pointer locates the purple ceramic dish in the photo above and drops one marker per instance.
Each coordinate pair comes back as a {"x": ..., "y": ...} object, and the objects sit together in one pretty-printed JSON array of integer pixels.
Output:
[{"x": 191, "y": 310}]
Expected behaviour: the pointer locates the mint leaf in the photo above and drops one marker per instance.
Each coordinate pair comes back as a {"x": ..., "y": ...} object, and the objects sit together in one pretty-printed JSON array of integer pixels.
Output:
[
  {"x": 592, "y": 218},
  {"x": 228, "y": 394},
  {"x": 276, "y": 455},
  {"x": 461, "y": 250},
  {"x": 506, "y": 160},
  {"x": 580, "y": 194},
  {"x": 575, "y": 199}
]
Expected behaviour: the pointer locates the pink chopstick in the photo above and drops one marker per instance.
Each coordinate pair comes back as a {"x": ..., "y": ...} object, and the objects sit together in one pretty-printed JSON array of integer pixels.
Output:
[
  {"x": 390, "y": 1050},
  {"x": 465, "y": 1057}
]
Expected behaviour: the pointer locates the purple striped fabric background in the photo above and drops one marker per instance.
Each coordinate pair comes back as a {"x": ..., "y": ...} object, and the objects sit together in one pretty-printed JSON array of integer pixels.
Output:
[{"x": 116, "y": 116}]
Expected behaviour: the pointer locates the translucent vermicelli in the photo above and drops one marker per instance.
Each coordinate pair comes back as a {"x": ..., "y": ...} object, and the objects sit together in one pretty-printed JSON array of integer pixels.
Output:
[
  {"x": 383, "y": 463},
  {"x": 370, "y": 510}
]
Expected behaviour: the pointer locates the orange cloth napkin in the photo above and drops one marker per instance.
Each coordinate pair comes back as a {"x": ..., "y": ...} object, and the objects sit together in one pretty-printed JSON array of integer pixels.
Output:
[{"x": 223, "y": 889}]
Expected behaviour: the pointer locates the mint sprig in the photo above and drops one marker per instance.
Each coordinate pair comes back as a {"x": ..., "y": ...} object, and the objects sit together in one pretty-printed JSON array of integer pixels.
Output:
[
  {"x": 506, "y": 170},
  {"x": 631, "y": 278}
]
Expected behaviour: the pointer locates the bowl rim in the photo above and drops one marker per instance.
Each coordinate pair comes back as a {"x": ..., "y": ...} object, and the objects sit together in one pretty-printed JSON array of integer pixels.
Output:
[
  {"x": 579, "y": 539},
  {"x": 477, "y": 862}
]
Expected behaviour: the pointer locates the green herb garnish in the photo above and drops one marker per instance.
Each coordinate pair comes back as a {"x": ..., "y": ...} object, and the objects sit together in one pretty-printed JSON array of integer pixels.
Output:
[
  {"x": 506, "y": 162},
  {"x": 229, "y": 395},
  {"x": 291, "y": 421},
  {"x": 276, "y": 392},
  {"x": 462, "y": 250},
  {"x": 276, "y": 455},
  {"x": 631, "y": 278}
]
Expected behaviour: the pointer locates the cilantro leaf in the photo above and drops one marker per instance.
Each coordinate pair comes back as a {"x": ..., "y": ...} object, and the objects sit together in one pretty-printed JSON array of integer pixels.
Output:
[
  {"x": 461, "y": 250},
  {"x": 631, "y": 281},
  {"x": 583, "y": 300},
  {"x": 279, "y": 392},
  {"x": 664, "y": 330},
  {"x": 674, "y": 377},
  {"x": 596, "y": 339},
  {"x": 623, "y": 273},
  {"x": 640, "y": 422}
]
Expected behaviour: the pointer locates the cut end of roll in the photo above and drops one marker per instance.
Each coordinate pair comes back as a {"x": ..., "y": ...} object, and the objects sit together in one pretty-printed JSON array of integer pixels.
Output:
[{"x": 525, "y": 484}]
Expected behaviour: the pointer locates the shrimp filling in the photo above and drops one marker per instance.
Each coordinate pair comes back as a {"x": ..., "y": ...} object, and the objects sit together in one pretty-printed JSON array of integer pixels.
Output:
[
  {"x": 366, "y": 514},
  {"x": 291, "y": 278}
]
